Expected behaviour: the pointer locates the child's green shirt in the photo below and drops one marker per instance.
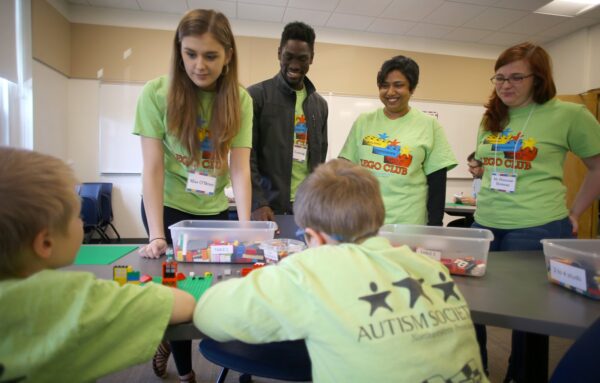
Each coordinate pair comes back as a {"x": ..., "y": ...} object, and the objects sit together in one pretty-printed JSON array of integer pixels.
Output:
[
  {"x": 60, "y": 326},
  {"x": 368, "y": 312}
]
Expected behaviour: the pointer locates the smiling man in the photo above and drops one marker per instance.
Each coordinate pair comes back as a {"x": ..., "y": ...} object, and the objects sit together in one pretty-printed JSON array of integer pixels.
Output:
[{"x": 289, "y": 126}]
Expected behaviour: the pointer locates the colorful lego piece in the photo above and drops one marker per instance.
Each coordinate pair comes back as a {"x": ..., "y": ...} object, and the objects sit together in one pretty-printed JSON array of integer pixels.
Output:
[
  {"x": 125, "y": 274},
  {"x": 169, "y": 272}
]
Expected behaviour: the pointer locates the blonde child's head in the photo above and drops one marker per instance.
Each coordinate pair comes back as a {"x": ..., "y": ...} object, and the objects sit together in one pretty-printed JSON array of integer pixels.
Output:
[
  {"x": 342, "y": 200},
  {"x": 38, "y": 200}
]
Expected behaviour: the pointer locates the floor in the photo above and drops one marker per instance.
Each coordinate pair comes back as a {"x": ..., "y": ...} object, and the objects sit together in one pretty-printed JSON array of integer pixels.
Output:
[{"x": 498, "y": 350}]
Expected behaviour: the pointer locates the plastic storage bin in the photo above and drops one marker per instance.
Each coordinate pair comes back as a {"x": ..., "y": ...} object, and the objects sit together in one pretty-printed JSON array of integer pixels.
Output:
[
  {"x": 464, "y": 251},
  {"x": 220, "y": 241},
  {"x": 574, "y": 264},
  {"x": 277, "y": 249}
]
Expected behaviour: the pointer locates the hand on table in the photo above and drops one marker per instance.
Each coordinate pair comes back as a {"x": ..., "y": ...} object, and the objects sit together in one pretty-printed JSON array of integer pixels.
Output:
[
  {"x": 154, "y": 249},
  {"x": 468, "y": 201}
]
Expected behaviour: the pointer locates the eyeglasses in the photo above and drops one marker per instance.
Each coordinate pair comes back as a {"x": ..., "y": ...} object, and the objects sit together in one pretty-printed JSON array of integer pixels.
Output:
[{"x": 516, "y": 78}]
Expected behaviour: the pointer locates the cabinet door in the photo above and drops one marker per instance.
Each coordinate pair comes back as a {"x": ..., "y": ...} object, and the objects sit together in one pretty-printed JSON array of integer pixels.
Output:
[{"x": 575, "y": 171}]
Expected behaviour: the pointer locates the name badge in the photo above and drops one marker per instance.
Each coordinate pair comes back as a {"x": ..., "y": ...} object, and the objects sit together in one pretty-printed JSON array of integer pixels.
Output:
[
  {"x": 568, "y": 275},
  {"x": 299, "y": 153},
  {"x": 503, "y": 182},
  {"x": 201, "y": 183}
]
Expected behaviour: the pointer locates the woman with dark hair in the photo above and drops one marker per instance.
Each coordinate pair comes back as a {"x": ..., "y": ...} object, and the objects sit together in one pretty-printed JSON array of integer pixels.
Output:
[
  {"x": 523, "y": 140},
  {"x": 190, "y": 123},
  {"x": 404, "y": 148}
]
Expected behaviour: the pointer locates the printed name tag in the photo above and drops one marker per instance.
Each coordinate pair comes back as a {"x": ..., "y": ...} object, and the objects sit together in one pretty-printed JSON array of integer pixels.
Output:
[
  {"x": 271, "y": 254},
  {"x": 569, "y": 275},
  {"x": 503, "y": 182},
  {"x": 201, "y": 183},
  {"x": 299, "y": 153},
  {"x": 433, "y": 254},
  {"x": 221, "y": 249}
]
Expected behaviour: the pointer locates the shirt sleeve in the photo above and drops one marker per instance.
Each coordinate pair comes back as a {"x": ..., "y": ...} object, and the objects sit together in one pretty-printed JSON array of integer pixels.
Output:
[
  {"x": 440, "y": 155},
  {"x": 151, "y": 110},
  {"x": 350, "y": 149},
  {"x": 584, "y": 133},
  {"x": 269, "y": 304},
  {"x": 119, "y": 326},
  {"x": 244, "y": 137}
]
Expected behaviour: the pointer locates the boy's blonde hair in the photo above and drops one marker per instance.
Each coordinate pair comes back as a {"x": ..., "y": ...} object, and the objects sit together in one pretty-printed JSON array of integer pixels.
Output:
[
  {"x": 37, "y": 192},
  {"x": 341, "y": 199}
]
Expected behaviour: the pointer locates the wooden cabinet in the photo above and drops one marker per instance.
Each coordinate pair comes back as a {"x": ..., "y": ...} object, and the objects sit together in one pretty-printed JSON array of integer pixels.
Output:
[{"x": 575, "y": 170}]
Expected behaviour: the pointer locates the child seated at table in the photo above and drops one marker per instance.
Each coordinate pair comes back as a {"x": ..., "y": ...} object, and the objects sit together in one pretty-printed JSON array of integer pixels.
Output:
[
  {"x": 65, "y": 325},
  {"x": 369, "y": 312}
]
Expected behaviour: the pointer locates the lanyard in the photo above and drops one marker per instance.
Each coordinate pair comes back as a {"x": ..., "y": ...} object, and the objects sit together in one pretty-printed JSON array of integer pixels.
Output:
[{"x": 516, "y": 144}]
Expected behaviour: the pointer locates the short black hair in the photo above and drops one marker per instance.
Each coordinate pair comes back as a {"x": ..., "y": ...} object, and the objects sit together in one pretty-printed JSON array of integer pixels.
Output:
[
  {"x": 472, "y": 158},
  {"x": 298, "y": 30},
  {"x": 407, "y": 66}
]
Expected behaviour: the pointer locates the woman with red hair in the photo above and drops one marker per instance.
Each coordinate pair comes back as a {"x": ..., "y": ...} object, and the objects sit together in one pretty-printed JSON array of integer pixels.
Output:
[{"x": 522, "y": 142}]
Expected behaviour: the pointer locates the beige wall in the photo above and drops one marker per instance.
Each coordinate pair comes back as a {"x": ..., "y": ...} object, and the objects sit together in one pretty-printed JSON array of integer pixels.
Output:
[
  {"x": 51, "y": 37},
  {"x": 81, "y": 50}
]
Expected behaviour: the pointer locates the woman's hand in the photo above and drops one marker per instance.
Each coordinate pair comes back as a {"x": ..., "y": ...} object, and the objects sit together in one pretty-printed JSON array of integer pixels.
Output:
[{"x": 154, "y": 249}]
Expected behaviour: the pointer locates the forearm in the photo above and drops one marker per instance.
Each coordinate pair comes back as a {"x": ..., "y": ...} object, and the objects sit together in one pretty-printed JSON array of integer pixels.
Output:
[
  {"x": 588, "y": 193},
  {"x": 152, "y": 186},
  {"x": 240, "y": 179},
  {"x": 183, "y": 306},
  {"x": 436, "y": 195}
]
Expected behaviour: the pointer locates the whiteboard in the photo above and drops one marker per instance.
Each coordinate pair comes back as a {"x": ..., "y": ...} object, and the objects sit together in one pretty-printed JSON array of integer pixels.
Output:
[
  {"x": 120, "y": 149},
  {"x": 460, "y": 122}
]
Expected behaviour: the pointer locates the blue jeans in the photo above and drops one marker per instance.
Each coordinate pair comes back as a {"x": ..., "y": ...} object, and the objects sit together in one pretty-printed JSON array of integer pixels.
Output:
[
  {"x": 528, "y": 361},
  {"x": 527, "y": 238}
]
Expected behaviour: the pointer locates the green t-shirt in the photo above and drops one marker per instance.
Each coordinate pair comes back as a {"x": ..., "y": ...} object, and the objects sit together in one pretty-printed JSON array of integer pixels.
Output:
[
  {"x": 385, "y": 315},
  {"x": 535, "y": 151},
  {"x": 62, "y": 326},
  {"x": 151, "y": 121},
  {"x": 299, "y": 167},
  {"x": 400, "y": 153}
]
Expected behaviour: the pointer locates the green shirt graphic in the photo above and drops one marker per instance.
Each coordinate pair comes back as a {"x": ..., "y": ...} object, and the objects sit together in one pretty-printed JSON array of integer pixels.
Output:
[
  {"x": 151, "y": 121},
  {"x": 299, "y": 168},
  {"x": 400, "y": 153},
  {"x": 535, "y": 151}
]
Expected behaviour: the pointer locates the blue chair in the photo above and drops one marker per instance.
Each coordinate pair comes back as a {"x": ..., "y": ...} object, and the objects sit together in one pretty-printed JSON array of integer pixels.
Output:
[
  {"x": 279, "y": 360},
  {"x": 91, "y": 212},
  {"x": 580, "y": 363}
]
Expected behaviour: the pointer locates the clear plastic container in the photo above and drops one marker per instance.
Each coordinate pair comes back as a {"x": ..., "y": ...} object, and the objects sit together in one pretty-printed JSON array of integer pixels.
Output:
[
  {"x": 463, "y": 250},
  {"x": 220, "y": 241},
  {"x": 277, "y": 249},
  {"x": 574, "y": 264}
]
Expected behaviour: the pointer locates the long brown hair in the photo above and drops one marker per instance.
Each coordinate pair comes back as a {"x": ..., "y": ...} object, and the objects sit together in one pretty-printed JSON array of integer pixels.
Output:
[
  {"x": 182, "y": 100},
  {"x": 495, "y": 117}
]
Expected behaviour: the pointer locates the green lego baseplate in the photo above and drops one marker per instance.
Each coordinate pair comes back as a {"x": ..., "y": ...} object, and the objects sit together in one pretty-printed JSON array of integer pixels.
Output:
[{"x": 193, "y": 285}]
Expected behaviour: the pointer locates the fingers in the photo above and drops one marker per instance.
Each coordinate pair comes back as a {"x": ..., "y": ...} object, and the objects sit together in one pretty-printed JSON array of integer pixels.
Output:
[{"x": 154, "y": 249}]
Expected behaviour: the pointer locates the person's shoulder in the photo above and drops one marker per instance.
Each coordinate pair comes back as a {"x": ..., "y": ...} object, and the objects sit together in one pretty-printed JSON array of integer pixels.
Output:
[
  {"x": 158, "y": 83},
  {"x": 564, "y": 106},
  {"x": 259, "y": 87}
]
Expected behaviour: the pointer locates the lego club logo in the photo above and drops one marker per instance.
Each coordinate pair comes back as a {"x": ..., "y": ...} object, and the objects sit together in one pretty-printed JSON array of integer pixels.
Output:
[
  {"x": 396, "y": 158},
  {"x": 518, "y": 152}
]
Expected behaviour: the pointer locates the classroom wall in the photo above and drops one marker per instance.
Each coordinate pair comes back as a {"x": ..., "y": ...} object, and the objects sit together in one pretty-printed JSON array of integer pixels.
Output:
[
  {"x": 338, "y": 67},
  {"x": 576, "y": 59}
]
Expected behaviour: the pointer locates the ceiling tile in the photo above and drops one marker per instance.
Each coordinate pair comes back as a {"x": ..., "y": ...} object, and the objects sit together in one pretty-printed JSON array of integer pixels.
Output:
[
  {"x": 345, "y": 21},
  {"x": 313, "y": 18},
  {"x": 594, "y": 13},
  {"x": 318, "y": 5},
  {"x": 413, "y": 10},
  {"x": 453, "y": 14},
  {"x": 228, "y": 8},
  {"x": 533, "y": 24},
  {"x": 173, "y": 6},
  {"x": 568, "y": 26},
  {"x": 429, "y": 30},
  {"x": 394, "y": 27},
  {"x": 495, "y": 18},
  {"x": 122, "y": 4},
  {"x": 260, "y": 12},
  {"x": 504, "y": 39},
  {"x": 279, "y": 3},
  {"x": 467, "y": 35},
  {"x": 80, "y": 2},
  {"x": 362, "y": 7},
  {"x": 527, "y": 5}
]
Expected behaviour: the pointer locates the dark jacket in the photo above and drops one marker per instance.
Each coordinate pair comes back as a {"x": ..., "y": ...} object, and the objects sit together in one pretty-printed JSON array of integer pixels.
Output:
[{"x": 273, "y": 139}]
